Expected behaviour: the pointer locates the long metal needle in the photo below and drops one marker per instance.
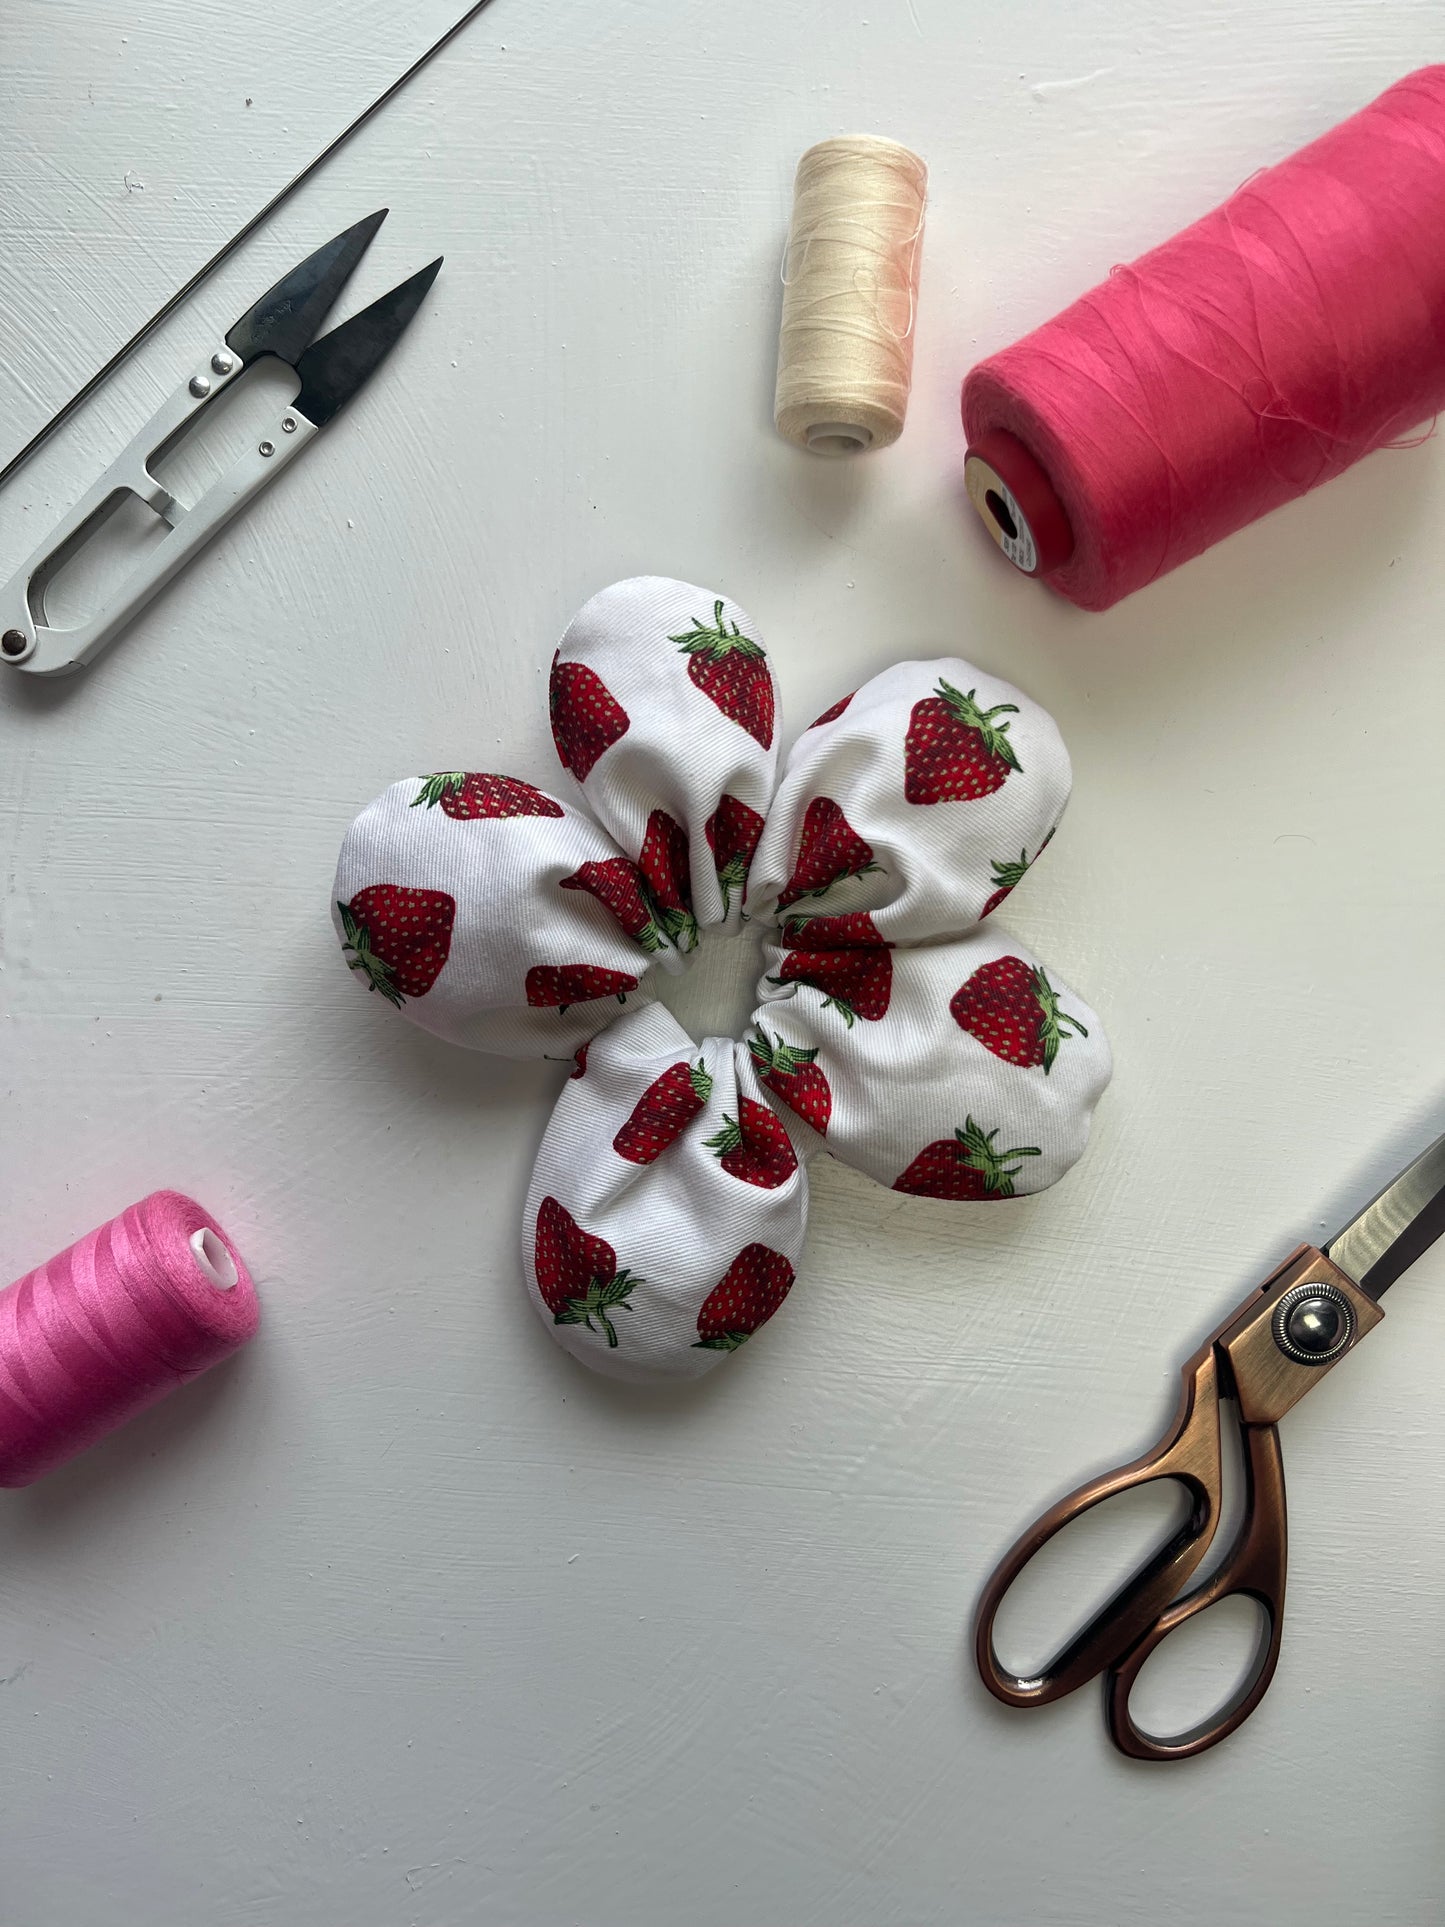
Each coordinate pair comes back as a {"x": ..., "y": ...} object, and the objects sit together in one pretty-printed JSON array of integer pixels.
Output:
[{"x": 101, "y": 374}]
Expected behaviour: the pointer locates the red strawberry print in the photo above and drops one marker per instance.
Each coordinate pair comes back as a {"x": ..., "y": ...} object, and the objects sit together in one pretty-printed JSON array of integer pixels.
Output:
[
  {"x": 732, "y": 833},
  {"x": 1007, "y": 876},
  {"x": 559, "y": 986},
  {"x": 807, "y": 932},
  {"x": 586, "y": 717},
  {"x": 663, "y": 1112},
  {"x": 577, "y": 1274},
  {"x": 620, "y": 886},
  {"x": 857, "y": 983},
  {"x": 732, "y": 671},
  {"x": 832, "y": 715},
  {"x": 1013, "y": 1010},
  {"x": 754, "y": 1146},
  {"x": 580, "y": 1061},
  {"x": 467, "y": 795},
  {"x": 756, "y": 1283},
  {"x": 664, "y": 863},
  {"x": 399, "y": 937},
  {"x": 954, "y": 751},
  {"x": 964, "y": 1167},
  {"x": 829, "y": 849},
  {"x": 793, "y": 1075}
]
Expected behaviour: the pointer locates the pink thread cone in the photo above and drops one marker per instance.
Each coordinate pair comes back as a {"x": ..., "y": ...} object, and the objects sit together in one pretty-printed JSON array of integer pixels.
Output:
[
  {"x": 108, "y": 1327},
  {"x": 1257, "y": 354}
]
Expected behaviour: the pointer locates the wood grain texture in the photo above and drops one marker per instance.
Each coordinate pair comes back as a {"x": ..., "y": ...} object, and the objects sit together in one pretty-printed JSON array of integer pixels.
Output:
[{"x": 401, "y": 1618}]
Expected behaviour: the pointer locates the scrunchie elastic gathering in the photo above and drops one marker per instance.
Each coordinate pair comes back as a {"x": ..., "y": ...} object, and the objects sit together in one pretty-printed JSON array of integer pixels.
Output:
[{"x": 898, "y": 1027}]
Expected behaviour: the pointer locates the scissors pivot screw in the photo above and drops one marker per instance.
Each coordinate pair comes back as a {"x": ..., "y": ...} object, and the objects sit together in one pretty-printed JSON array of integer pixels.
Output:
[
  {"x": 1313, "y": 1323},
  {"x": 14, "y": 642},
  {"x": 199, "y": 387}
]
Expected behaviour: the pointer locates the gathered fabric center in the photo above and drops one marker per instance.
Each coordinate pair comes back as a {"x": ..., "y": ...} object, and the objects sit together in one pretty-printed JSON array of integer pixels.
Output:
[{"x": 713, "y": 995}]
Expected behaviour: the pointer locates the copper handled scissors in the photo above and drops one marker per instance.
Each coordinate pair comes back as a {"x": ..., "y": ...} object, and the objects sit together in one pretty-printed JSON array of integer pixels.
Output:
[{"x": 1267, "y": 1354}]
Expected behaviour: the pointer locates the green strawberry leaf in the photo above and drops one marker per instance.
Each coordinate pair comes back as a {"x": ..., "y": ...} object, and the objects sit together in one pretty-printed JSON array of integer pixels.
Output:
[
  {"x": 724, "y": 1342},
  {"x": 1052, "y": 1020},
  {"x": 602, "y": 1296},
  {"x": 649, "y": 936},
  {"x": 444, "y": 783},
  {"x": 772, "y": 1054},
  {"x": 732, "y": 876},
  {"x": 977, "y": 1151},
  {"x": 718, "y": 641},
  {"x": 701, "y": 1080},
  {"x": 788, "y": 1058},
  {"x": 681, "y": 926},
  {"x": 378, "y": 973},
  {"x": 864, "y": 869},
  {"x": 616, "y": 1290},
  {"x": 995, "y": 735}
]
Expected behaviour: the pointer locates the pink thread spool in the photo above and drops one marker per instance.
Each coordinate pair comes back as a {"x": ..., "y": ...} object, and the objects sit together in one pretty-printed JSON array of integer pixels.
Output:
[
  {"x": 145, "y": 1303},
  {"x": 1259, "y": 353}
]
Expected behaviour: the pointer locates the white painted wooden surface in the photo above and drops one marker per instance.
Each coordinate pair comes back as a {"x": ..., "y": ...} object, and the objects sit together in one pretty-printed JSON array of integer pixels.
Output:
[{"x": 402, "y": 1618}]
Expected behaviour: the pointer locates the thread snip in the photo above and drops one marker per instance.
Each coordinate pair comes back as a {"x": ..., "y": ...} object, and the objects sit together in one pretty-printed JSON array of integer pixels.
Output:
[
  {"x": 1259, "y": 353},
  {"x": 136, "y": 1308},
  {"x": 850, "y": 295}
]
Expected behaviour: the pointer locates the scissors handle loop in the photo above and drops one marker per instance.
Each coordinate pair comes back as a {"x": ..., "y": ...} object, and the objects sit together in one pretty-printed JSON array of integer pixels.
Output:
[
  {"x": 1257, "y": 1358},
  {"x": 1255, "y": 1569},
  {"x": 1190, "y": 1454}
]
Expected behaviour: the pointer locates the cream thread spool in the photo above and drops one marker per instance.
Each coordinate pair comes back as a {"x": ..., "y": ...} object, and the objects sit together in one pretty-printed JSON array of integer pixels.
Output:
[{"x": 850, "y": 295}]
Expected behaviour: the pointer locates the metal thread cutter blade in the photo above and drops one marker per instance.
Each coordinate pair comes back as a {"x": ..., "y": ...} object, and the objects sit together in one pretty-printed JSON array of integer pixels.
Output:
[{"x": 330, "y": 371}]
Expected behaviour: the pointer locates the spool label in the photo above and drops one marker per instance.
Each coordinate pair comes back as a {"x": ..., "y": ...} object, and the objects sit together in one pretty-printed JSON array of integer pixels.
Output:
[{"x": 1001, "y": 515}]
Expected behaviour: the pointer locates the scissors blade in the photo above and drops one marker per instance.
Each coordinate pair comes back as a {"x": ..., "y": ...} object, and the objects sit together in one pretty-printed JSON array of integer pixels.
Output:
[
  {"x": 1395, "y": 1228},
  {"x": 333, "y": 368},
  {"x": 288, "y": 315}
]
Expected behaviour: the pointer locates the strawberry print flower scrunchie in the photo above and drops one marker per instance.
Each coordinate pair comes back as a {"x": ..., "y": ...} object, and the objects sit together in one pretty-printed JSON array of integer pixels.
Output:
[{"x": 898, "y": 1026}]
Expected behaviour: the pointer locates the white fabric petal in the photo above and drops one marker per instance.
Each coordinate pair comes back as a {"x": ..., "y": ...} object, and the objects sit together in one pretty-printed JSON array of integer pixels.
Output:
[
  {"x": 907, "y": 1085},
  {"x": 674, "y": 681},
  {"x": 529, "y": 968},
  {"x": 654, "y": 1260},
  {"x": 899, "y": 807}
]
